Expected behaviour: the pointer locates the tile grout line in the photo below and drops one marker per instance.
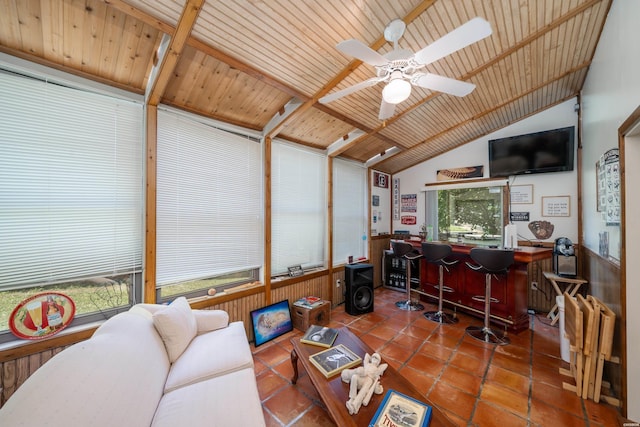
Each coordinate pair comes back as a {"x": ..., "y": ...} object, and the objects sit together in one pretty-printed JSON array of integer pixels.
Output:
[{"x": 484, "y": 377}]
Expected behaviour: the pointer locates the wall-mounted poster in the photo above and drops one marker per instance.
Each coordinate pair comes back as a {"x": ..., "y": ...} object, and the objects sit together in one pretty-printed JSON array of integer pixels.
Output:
[
  {"x": 409, "y": 203},
  {"x": 608, "y": 188},
  {"x": 460, "y": 173},
  {"x": 396, "y": 198}
]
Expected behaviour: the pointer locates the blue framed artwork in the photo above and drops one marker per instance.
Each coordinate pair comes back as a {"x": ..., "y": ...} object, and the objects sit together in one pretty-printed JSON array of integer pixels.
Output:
[{"x": 271, "y": 321}]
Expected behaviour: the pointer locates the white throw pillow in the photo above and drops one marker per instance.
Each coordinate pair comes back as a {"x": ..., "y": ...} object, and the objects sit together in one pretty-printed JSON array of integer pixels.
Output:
[{"x": 176, "y": 324}]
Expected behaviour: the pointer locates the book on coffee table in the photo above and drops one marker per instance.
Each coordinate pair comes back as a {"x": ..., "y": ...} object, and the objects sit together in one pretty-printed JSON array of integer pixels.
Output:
[
  {"x": 322, "y": 336},
  {"x": 333, "y": 360},
  {"x": 398, "y": 409}
]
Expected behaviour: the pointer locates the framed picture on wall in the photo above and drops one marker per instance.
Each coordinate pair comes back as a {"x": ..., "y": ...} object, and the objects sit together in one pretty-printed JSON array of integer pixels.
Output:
[
  {"x": 556, "y": 206},
  {"x": 522, "y": 194}
]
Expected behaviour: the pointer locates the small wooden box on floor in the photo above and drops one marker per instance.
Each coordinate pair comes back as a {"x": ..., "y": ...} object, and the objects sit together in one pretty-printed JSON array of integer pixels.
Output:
[{"x": 303, "y": 317}]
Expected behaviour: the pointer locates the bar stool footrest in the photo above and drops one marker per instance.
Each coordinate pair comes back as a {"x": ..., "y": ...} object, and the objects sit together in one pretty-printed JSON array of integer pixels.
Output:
[{"x": 482, "y": 299}]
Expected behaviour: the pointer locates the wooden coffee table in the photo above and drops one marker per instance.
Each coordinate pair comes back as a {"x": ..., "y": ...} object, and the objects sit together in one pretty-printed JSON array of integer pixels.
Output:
[{"x": 334, "y": 393}]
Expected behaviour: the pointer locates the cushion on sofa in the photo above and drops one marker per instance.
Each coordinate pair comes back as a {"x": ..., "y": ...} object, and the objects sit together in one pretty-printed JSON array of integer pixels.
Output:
[
  {"x": 211, "y": 355},
  {"x": 228, "y": 400},
  {"x": 116, "y": 378},
  {"x": 210, "y": 320},
  {"x": 177, "y": 326}
]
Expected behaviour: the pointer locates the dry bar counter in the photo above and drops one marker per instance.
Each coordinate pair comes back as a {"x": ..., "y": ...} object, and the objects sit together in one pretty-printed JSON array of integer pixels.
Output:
[{"x": 461, "y": 284}]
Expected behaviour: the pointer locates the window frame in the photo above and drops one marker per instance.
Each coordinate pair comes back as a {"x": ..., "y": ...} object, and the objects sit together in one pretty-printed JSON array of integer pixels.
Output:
[
  {"x": 431, "y": 212},
  {"x": 347, "y": 211},
  {"x": 93, "y": 100},
  {"x": 208, "y": 147},
  {"x": 288, "y": 223}
]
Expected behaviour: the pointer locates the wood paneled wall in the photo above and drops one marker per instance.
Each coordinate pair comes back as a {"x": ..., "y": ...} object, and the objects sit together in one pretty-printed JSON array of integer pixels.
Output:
[
  {"x": 542, "y": 299},
  {"x": 378, "y": 245},
  {"x": 14, "y": 372},
  {"x": 338, "y": 288}
]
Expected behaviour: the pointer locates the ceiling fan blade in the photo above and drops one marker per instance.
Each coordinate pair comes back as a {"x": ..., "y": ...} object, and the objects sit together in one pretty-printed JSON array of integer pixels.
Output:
[
  {"x": 443, "y": 84},
  {"x": 466, "y": 34},
  {"x": 386, "y": 110},
  {"x": 351, "y": 89},
  {"x": 361, "y": 51}
]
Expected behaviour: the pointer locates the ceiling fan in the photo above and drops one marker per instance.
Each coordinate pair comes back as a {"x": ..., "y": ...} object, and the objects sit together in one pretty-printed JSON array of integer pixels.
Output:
[{"x": 400, "y": 67}]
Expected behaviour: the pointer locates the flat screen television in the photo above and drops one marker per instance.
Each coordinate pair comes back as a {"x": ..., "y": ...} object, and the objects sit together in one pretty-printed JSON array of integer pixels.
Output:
[{"x": 540, "y": 152}]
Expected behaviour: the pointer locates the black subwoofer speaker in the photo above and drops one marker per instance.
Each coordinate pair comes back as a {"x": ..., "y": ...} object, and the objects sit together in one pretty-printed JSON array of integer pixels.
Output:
[{"x": 358, "y": 288}]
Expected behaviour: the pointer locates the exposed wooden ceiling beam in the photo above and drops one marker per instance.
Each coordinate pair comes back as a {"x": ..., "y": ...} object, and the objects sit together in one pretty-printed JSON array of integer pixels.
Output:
[
  {"x": 381, "y": 41},
  {"x": 168, "y": 63},
  {"x": 206, "y": 49},
  {"x": 141, "y": 16}
]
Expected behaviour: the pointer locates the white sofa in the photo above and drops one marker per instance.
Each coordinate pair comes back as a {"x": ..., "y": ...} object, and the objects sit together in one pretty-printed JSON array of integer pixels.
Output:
[{"x": 155, "y": 366}]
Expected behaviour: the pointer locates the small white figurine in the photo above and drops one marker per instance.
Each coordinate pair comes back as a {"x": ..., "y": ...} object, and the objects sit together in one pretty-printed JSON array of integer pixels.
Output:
[{"x": 364, "y": 381}]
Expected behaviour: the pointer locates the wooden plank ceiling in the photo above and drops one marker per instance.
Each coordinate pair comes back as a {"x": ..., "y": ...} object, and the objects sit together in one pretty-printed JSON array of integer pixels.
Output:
[{"x": 264, "y": 64}]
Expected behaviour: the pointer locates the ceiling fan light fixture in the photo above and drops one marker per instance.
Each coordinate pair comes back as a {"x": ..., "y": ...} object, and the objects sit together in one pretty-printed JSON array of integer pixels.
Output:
[{"x": 396, "y": 91}]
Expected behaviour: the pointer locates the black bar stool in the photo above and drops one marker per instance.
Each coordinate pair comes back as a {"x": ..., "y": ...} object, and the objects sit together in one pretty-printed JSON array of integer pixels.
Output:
[
  {"x": 406, "y": 251},
  {"x": 490, "y": 262},
  {"x": 436, "y": 253}
]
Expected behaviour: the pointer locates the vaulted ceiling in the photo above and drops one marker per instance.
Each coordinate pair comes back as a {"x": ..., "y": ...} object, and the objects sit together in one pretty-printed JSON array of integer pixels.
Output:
[{"x": 263, "y": 64}]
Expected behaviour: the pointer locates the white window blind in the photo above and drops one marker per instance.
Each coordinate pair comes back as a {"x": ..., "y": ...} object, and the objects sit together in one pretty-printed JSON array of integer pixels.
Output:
[
  {"x": 349, "y": 210},
  {"x": 71, "y": 183},
  {"x": 298, "y": 207},
  {"x": 209, "y": 201}
]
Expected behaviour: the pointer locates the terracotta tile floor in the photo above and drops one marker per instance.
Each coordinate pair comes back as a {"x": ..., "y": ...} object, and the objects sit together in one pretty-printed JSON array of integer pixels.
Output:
[{"x": 475, "y": 384}]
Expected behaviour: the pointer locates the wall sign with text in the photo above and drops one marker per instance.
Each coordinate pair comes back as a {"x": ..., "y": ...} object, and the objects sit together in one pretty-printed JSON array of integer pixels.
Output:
[
  {"x": 519, "y": 216},
  {"x": 396, "y": 198},
  {"x": 408, "y": 220},
  {"x": 380, "y": 180},
  {"x": 556, "y": 206},
  {"x": 409, "y": 203},
  {"x": 521, "y": 194}
]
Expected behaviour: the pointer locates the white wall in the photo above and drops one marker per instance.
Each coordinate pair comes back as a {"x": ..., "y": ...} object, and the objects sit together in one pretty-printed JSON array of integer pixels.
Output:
[
  {"x": 413, "y": 180},
  {"x": 381, "y": 215},
  {"x": 610, "y": 94}
]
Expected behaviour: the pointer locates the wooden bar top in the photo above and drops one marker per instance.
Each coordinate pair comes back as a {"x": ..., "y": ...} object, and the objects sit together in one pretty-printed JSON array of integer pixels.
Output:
[{"x": 523, "y": 254}]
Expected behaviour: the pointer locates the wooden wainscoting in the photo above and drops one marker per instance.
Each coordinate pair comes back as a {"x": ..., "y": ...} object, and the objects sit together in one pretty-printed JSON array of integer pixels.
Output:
[
  {"x": 378, "y": 245},
  {"x": 14, "y": 372},
  {"x": 338, "y": 289},
  {"x": 544, "y": 298},
  {"x": 240, "y": 309}
]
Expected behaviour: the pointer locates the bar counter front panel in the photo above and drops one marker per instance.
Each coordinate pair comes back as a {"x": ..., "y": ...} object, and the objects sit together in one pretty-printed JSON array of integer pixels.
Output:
[{"x": 462, "y": 284}]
